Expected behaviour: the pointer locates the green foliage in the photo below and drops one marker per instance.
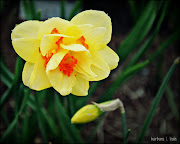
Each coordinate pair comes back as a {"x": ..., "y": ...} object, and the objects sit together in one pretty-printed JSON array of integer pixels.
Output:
[{"x": 47, "y": 115}]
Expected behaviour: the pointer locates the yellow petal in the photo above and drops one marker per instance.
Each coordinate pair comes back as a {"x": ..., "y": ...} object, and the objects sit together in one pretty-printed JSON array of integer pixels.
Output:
[
  {"x": 60, "y": 82},
  {"x": 81, "y": 86},
  {"x": 75, "y": 47},
  {"x": 95, "y": 35},
  {"x": 48, "y": 42},
  {"x": 60, "y": 24},
  {"x": 97, "y": 19},
  {"x": 27, "y": 48},
  {"x": 26, "y": 29},
  {"x": 26, "y": 74},
  {"x": 110, "y": 57},
  {"x": 101, "y": 74},
  {"x": 99, "y": 67},
  {"x": 39, "y": 80},
  {"x": 56, "y": 59},
  {"x": 83, "y": 65}
]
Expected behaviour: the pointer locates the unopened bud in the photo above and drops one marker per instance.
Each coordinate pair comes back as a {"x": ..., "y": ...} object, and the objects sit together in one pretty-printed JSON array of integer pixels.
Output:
[
  {"x": 90, "y": 112},
  {"x": 86, "y": 114}
]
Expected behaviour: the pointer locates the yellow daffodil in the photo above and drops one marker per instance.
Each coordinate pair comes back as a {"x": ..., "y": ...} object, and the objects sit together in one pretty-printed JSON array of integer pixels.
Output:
[{"x": 63, "y": 54}]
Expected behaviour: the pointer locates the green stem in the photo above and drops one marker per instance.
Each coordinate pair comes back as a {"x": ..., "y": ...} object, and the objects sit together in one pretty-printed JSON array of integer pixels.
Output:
[{"x": 124, "y": 125}]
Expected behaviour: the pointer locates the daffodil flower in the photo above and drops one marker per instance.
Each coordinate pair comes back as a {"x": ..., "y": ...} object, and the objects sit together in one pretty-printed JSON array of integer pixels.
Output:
[{"x": 63, "y": 54}]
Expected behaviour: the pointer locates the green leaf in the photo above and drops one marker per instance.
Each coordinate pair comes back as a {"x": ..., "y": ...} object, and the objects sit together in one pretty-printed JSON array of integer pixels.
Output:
[
  {"x": 75, "y": 9},
  {"x": 133, "y": 9},
  {"x": 13, "y": 123},
  {"x": 30, "y": 10},
  {"x": 62, "y": 4},
  {"x": 4, "y": 116},
  {"x": 17, "y": 77},
  {"x": 149, "y": 41},
  {"x": 156, "y": 102},
  {"x": 139, "y": 31},
  {"x": 39, "y": 116},
  {"x": 71, "y": 101},
  {"x": 48, "y": 118},
  {"x": 38, "y": 15},
  {"x": 69, "y": 131},
  {"x": 5, "y": 75},
  {"x": 164, "y": 45},
  {"x": 27, "y": 9}
]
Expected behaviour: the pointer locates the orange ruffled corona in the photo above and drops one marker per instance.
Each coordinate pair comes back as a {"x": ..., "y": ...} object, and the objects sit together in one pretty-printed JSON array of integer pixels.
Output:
[
  {"x": 65, "y": 55},
  {"x": 67, "y": 64}
]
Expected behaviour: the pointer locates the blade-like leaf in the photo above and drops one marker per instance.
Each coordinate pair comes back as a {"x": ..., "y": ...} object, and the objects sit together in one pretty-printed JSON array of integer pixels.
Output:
[
  {"x": 139, "y": 31},
  {"x": 149, "y": 41},
  {"x": 71, "y": 133},
  {"x": 156, "y": 102},
  {"x": 13, "y": 123}
]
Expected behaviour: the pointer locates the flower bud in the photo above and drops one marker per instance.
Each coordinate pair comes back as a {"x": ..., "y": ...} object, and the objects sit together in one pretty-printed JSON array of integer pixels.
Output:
[
  {"x": 90, "y": 112},
  {"x": 86, "y": 114}
]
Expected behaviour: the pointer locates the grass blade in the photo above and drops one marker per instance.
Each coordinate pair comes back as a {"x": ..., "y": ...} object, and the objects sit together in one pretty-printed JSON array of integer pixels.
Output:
[{"x": 156, "y": 101}]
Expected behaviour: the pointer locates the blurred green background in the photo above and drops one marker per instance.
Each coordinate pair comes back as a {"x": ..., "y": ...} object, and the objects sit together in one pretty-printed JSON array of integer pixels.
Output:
[{"x": 146, "y": 38}]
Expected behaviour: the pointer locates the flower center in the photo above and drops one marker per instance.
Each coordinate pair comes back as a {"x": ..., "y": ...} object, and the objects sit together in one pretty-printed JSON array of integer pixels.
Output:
[{"x": 67, "y": 64}]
